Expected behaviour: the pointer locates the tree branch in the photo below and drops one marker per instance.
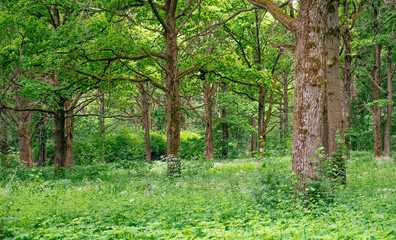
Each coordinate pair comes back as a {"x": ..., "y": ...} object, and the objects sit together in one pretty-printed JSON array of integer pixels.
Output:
[{"x": 276, "y": 12}]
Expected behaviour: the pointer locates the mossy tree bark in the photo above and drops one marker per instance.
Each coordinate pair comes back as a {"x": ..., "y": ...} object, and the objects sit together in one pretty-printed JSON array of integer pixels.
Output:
[{"x": 310, "y": 116}]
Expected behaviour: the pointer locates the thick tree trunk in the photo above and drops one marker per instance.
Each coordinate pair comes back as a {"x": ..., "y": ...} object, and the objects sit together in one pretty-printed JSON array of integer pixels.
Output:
[
  {"x": 309, "y": 90},
  {"x": 145, "y": 119},
  {"x": 42, "y": 154},
  {"x": 333, "y": 80},
  {"x": 24, "y": 134},
  {"x": 388, "y": 124},
  {"x": 59, "y": 139},
  {"x": 333, "y": 103},
  {"x": 224, "y": 127},
  {"x": 172, "y": 95},
  {"x": 69, "y": 134}
]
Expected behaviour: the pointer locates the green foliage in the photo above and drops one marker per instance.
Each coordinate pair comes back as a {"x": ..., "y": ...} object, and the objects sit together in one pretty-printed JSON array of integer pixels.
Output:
[
  {"x": 238, "y": 199},
  {"x": 192, "y": 145},
  {"x": 157, "y": 145}
]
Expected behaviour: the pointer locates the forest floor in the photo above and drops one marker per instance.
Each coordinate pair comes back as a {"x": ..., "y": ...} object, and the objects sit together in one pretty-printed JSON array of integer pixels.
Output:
[{"x": 239, "y": 199}]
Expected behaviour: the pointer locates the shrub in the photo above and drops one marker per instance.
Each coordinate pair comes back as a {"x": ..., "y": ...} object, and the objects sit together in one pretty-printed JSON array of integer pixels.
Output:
[
  {"x": 192, "y": 145},
  {"x": 157, "y": 145}
]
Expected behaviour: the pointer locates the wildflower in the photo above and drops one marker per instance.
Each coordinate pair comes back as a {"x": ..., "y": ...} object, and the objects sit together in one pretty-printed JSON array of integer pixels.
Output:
[
  {"x": 132, "y": 200},
  {"x": 123, "y": 192},
  {"x": 147, "y": 192},
  {"x": 154, "y": 186}
]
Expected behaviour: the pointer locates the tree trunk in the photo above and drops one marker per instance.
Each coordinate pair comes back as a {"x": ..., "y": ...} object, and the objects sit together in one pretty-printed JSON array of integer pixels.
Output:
[
  {"x": 333, "y": 103},
  {"x": 388, "y": 124},
  {"x": 4, "y": 148},
  {"x": 24, "y": 134},
  {"x": 208, "y": 91},
  {"x": 333, "y": 80},
  {"x": 145, "y": 119},
  {"x": 261, "y": 119},
  {"x": 377, "y": 96},
  {"x": 102, "y": 129},
  {"x": 69, "y": 134},
  {"x": 42, "y": 154},
  {"x": 285, "y": 110},
  {"x": 253, "y": 137},
  {"x": 59, "y": 138},
  {"x": 309, "y": 90},
  {"x": 172, "y": 95},
  {"x": 376, "y": 85},
  {"x": 224, "y": 127}
]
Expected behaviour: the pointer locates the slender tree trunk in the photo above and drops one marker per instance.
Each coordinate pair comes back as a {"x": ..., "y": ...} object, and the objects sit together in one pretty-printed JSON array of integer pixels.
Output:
[
  {"x": 261, "y": 119},
  {"x": 172, "y": 95},
  {"x": 145, "y": 119},
  {"x": 60, "y": 148},
  {"x": 285, "y": 110},
  {"x": 253, "y": 137},
  {"x": 377, "y": 96},
  {"x": 42, "y": 154},
  {"x": 3, "y": 140},
  {"x": 309, "y": 90},
  {"x": 388, "y": 124},
  {"x": 224, "y": 127},
  {"x": 102, "y": 128},
  {"x": 376, "y": 85},
  {"x": 347, "y": 85},
  {"x": 208, "y": 91}
]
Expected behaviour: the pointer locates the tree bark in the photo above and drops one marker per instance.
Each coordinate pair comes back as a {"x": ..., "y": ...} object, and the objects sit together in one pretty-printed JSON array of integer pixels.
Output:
[
  {"x": 59, "y": 138},
  {"x": 172, "y": 95},
  {"x": 42, "y": 154},
  {"x": 376, "y": 96},
  {"x": 69, "y": 133},
  {"x": 224, "y": 127},
  {"x": 261, "y": 119},
  {"x": 4, "y": 140},
  {"x": 333, "y": 104},
  {"x": 285, "y": 110},
  {"x": 24, "y": 133},
  {"x": 310, "y": 120},
  {"x": 253, "y": 137},
  {"x": 145, "y": 119},
  {"x": 208, "y": 91},
  {"x": 376, "y": 86},
  {"x": 389, "y": 109},
  {"x": 102, "y": 127},
  {"x": 309, "y": 90}
]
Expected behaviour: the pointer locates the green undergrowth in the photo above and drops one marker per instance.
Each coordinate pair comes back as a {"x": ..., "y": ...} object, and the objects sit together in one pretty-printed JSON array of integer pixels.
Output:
[{"x": 240, "y": 199}]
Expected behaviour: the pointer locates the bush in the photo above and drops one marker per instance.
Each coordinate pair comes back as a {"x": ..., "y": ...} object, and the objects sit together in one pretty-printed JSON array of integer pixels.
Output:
[
  {"x": 192, "y": 145},
  {"x": 157, "y": 145},
  {"x": 123, "y": 145}
]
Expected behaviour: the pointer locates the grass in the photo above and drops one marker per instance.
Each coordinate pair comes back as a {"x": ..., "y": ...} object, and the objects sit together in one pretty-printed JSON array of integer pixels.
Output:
[{"x": 240, "y": 199}]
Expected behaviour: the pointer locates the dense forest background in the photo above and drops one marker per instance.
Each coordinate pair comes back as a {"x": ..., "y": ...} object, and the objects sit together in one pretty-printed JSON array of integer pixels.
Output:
[
  {"x": 111, "y": 81},
  {"x": 191, "y": 119}
]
